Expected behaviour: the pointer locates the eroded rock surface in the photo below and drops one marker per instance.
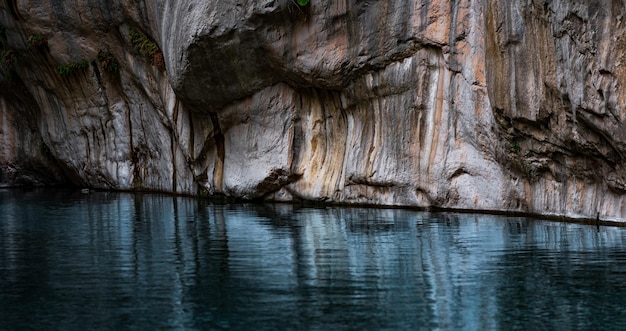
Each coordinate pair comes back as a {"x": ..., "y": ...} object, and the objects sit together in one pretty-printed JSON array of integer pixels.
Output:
[{"x": 472, "y": 104}]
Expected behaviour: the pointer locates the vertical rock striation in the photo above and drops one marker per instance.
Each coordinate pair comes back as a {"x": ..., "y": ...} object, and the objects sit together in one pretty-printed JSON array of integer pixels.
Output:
[
  {"x": 556, "y": 87},
  {"x": 472, "y": 104}
]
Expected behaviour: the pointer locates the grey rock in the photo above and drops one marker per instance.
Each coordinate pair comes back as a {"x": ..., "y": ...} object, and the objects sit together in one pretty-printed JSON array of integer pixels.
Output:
[{"x": 480, "y": 105}]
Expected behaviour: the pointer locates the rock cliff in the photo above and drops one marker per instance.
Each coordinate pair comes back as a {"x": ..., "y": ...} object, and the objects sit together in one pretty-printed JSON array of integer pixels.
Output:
[{"x": 474, "y": 104}]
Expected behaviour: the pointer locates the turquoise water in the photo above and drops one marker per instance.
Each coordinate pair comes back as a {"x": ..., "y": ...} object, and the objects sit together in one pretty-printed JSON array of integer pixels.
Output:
[{"x": 72, "y": 261}]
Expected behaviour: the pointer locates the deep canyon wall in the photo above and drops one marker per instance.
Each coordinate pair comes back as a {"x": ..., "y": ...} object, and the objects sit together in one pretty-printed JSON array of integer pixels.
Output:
[{"x": 474, "y": 104}]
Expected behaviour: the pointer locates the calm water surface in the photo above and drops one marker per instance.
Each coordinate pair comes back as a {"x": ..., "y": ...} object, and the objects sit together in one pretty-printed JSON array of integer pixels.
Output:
[{"x": 70, "y": 261}]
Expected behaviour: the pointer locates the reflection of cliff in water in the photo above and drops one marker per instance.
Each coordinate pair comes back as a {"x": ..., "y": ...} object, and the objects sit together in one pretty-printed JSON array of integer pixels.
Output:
[
  {"x": 217, "y": 263},
  {"x": 438, "y": 255}
]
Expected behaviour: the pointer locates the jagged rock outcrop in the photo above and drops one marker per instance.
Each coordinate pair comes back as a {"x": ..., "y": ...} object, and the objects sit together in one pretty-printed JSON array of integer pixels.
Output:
[{"x": 471, "y": 104}]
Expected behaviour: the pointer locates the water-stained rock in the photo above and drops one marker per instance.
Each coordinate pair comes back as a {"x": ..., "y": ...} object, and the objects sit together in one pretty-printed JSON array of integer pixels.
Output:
[{"x": 471, "y": 104}]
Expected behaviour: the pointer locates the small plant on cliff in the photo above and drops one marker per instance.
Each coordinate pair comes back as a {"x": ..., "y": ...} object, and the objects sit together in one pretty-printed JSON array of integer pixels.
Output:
[
  {"x": 300, "y": 7},
  {"x": 37, "y": 41},
  {"x": 516, "y": 147},
  {"x": 72, "y": 68},
  {"x": 108, "y": 62},
  {"x": 8, "y": 58},
  {"x": 146, "y": 47}
]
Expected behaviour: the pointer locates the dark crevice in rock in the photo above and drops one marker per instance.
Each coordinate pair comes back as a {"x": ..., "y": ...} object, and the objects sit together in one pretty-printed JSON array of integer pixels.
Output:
[
  {"x": 458, "y": 172},
  {"x": 173, "y": 151},
  {"x": 608, "y": 140},
  {"x": 362, "y": 180},
  {"x": 275, "y": 180},
  {"x": 14, "y": 10},
  {"x": 218, "y": 136}
]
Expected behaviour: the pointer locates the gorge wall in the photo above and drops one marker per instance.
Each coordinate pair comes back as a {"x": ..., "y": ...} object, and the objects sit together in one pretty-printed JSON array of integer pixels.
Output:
[{"x": 513, "y": 105}]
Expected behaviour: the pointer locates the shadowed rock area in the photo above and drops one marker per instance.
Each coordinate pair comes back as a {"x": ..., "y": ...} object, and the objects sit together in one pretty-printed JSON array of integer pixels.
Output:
[{"x": 471, "y": 104}]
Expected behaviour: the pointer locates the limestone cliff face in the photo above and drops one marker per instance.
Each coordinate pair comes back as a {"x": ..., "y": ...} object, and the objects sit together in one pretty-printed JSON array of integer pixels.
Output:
[{"x": 474, "y": 104}]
